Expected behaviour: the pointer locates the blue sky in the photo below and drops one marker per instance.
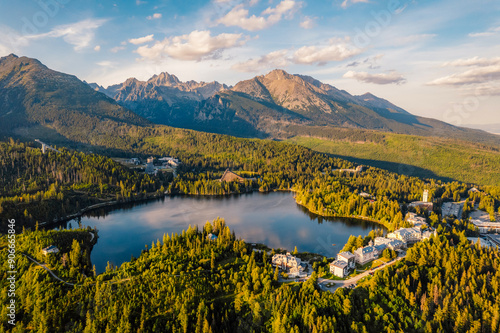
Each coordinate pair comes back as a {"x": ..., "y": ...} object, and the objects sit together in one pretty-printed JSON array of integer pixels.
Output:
[{"x": 438, "y": 59}]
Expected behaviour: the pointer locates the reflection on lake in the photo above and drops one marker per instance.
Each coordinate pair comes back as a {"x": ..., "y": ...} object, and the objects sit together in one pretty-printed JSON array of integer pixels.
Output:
[{"x": 273, "y": 219}]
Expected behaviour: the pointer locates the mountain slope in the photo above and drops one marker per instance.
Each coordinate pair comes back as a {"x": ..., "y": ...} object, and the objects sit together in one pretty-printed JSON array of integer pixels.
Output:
[
  {"x": 163, "y": 99},
  {"x": 267, "y": 106},
  {"x": 38, "y": 103},
  {"x": 324, "y": 104},
  {"x": 424, "y": 157},
  {"x": 34, "y": 96}
]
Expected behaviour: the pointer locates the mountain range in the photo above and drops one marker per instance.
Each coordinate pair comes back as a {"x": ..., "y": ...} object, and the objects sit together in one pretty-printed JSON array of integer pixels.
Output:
[
  {"x": 276, "y": 105},
  {"x": 36, "y": 100}
]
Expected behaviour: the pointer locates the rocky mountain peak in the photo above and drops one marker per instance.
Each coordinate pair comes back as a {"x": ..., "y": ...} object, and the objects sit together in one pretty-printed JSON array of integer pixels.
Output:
[
  {"x": 131, "y": 81},
  {"x": 278, "y": 74},
  {"x": 164, "y": 79}
]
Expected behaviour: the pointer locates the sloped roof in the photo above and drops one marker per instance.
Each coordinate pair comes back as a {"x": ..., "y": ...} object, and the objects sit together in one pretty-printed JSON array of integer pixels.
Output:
[{"x": 230, "y": 176}]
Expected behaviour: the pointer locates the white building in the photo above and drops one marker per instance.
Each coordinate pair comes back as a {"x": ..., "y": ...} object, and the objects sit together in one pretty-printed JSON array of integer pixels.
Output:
[
  {"x": 425, "y": 196},
  {"x": 366, "y": 254},
  {"x": 173, "y": 162},
  {"x": 416, "y": 220},
  {"x": 135, "y": 160},
  {"x": 348, "y": 257},
  {"x": 426, "y": 234},
  {"x": 486, "y": 227},
  {"x": 339, "y": 268},
  {"x": 297, "y": 271},
  {"x": 285, "y": 261},
  {"x": 393, "y": 244},
  {"x": 150, "y": 166},
  {"x": 407, "y": 235},
  {"x": 343, "y": 265},
  {"x": 50, "y": 249},
  {"x": 452, "y": 209}
]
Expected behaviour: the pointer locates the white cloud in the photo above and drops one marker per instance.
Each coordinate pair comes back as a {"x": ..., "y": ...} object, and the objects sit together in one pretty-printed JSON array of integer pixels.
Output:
[
  {"x": 79, "y": 34},
  {"x": 106, "y": 63},
  {"x": 4, "y": 50},
  {"x": 474, "y": 61},
  {"x": 392, "y": 77},
  {"x": 97, "y": 48},
  {"x": 117, "y": 48},
  {"x": 370, "y": 62},
  {"x": 11, "y": 41},
  {"x": 483, "y": 71},
  {"x": 194, "y": 46},
  {"x": 272, "y": 60},
  {"x": 486, "y": 90},
  {"x": 308, "y": 23},
  {"x": 471, "y": 76},
  {"x": 141, "y": 40},
  {"x": 239, "y": 16},
  {"x": 155, "y": 16},
  {"x": 400, "y": 9},
  {"x": 336, "y": 51},
  {"x": 346, "y": 3},
  {"x": 489, "y": 32}
]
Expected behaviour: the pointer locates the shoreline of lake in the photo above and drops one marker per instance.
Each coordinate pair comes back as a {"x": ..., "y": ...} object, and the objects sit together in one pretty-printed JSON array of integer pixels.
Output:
[{"x": 271, "y": 218}]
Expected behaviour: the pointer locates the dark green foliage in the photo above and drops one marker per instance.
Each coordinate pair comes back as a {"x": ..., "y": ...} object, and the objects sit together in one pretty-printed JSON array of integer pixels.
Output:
[{"x": 189, "y": 284}]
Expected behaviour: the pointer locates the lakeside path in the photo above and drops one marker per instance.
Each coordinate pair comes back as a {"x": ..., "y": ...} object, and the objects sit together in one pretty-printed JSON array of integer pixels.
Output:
[
  {"x": 44, "y": 266},
  {"x": 69, "y": 283},
  {"x": 48, "y": 270},
  {"x": 353, "y": 280}
]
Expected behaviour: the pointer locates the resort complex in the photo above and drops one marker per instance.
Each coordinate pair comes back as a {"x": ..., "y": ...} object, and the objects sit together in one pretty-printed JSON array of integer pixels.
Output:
[{"x": 394, "y": 241}]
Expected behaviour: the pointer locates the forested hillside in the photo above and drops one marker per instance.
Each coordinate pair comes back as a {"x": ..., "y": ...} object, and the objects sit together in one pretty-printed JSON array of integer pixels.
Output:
[
  {"x": 41, "y": 188},
  {"x": 186, "y": 283},
  {"x": 39, "y": 103},
  {"x": 36, "y": 187},
  {"x": 426, "y": 157}
]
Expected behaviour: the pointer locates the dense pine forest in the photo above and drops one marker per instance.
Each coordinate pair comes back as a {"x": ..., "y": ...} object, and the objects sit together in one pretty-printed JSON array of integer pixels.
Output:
[
  {"x": 186, "y": 283},
  {"x": 37, "y": 188}
]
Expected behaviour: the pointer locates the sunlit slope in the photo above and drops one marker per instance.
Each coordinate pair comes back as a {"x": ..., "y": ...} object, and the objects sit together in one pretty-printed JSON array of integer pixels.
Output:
[{"x": 428, "y": 157}]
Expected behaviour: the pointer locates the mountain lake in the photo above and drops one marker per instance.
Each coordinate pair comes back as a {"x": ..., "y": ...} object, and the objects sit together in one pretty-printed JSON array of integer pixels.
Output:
[{"x": 273, "y": 219}]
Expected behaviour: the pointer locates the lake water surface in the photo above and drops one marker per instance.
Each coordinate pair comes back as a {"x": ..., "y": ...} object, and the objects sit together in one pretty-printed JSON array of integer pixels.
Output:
[{"x": 273, "y": 219}]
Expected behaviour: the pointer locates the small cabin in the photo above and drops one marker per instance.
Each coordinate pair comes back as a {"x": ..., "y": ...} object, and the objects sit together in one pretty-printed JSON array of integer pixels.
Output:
[{"x": 50, "y": 249}]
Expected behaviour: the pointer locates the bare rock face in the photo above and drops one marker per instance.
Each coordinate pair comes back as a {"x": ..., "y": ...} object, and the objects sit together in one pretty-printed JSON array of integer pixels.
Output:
[
  {"x": 163, "y": 87},
  {"x": 275, "y": 104}
]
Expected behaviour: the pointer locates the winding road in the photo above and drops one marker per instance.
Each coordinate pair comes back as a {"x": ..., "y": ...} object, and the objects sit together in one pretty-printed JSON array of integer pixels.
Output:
[
  {"x": 48, "y": 270},
  {"x": 353, "y": 280}
]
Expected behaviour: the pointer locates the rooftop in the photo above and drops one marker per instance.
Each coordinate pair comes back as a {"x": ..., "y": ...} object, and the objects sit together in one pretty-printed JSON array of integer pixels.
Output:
[
  {"x": 346, "y": 254},
  {"x": 339, "y": 264}
]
